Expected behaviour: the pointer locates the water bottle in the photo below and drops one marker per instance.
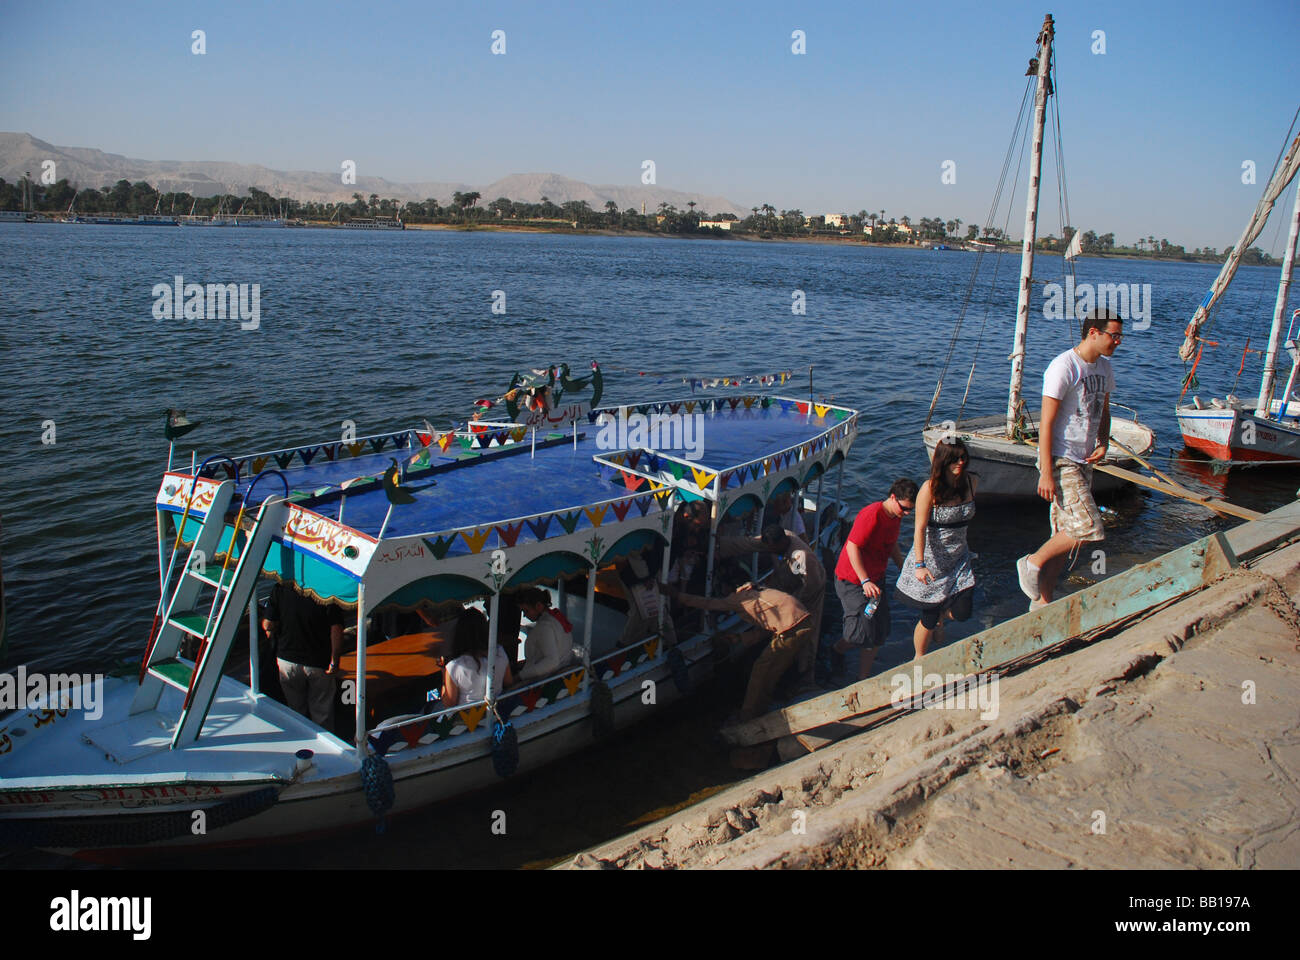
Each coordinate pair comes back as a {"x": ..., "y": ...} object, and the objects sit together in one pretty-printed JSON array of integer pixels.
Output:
[{"x": 870, "y": 610}]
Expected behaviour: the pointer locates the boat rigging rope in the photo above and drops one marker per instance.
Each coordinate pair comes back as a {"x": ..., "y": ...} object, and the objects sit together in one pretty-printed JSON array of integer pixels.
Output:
[
  {"x": 979, "y": 258},
  {"x": 1062, "y": 194},
  {"x": 1022, "y": 133}
]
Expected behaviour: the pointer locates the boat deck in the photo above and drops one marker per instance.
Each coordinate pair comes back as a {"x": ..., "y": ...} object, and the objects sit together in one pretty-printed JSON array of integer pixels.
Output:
[
  {"x": 468, "y": 488},
  {"x": 244, "y": 741}
]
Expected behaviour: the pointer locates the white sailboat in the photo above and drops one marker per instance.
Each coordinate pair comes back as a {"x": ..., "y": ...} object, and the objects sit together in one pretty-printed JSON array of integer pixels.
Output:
[
  {"x": 1002, "y": 448},
  {"x": 1265, "y": 428}
]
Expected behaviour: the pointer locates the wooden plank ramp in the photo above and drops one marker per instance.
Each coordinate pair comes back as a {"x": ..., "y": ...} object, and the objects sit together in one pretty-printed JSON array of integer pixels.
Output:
[
  {"x": 1178, "y": 490},
  {"x": 1101, "y": 606}
]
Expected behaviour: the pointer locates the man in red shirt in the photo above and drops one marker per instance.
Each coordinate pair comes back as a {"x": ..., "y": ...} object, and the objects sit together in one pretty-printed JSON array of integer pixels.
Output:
[{"x": 860, "y": 572}]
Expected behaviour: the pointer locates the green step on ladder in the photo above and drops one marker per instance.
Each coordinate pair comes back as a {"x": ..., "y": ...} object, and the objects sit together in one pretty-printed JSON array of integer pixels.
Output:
[{"x": 233, "y": 584}]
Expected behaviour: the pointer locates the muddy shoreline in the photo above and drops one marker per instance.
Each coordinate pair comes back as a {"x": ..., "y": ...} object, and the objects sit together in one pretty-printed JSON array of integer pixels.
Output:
[{"x": 1172, "y": 744}]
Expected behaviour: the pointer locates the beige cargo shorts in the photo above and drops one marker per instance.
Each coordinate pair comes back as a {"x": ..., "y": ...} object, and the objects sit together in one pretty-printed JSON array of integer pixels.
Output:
[{"x": 1073, "y": 509}]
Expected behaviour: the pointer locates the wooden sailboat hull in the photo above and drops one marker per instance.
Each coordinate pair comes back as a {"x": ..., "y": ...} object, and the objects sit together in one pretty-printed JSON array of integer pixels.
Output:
[
  {"x": 1008, "y": 470},
  {"x": 1230, "y": 434}
]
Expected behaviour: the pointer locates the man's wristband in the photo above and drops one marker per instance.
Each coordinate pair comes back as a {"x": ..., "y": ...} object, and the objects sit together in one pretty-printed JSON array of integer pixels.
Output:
[{"x": 864, "y": 581}]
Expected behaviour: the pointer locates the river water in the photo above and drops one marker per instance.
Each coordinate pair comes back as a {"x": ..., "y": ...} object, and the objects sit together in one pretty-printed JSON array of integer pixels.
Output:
[{"x": 385, "y": 329}]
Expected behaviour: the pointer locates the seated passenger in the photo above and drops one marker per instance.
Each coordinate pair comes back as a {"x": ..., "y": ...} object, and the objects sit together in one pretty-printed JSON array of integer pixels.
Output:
[
  {"x": 647, "y": 607},
  {"x": 548, "y": 647},
  {"x": 464, "y": 679},
  {"x": 784, "y": 509}
]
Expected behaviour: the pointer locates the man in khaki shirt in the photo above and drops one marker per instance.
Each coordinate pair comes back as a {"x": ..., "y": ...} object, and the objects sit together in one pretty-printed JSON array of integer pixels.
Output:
[
  {"x": 772, "y": 612},
  {"x": 799, "y": 574}
]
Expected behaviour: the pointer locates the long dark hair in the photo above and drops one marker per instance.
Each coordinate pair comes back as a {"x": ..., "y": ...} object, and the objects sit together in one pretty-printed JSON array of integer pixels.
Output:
[
  {"x": 471, "y": 634},
  {"x": 941, "y": 486}
]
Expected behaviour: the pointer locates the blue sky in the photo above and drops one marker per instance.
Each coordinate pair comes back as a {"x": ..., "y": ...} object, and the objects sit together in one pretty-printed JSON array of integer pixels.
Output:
[{"x": 1155, "y": 130}]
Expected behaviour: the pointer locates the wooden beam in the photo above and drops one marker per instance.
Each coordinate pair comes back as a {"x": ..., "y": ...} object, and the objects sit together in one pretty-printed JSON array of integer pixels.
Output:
[
  {"x": 1124, "y": 595},
  {"x": 1177, "y": 490}
]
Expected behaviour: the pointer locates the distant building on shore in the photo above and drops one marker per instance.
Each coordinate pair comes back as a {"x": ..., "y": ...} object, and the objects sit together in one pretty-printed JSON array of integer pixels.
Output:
[
  {"x": 720, "y": 224},
  {"x": 837, "y": 219}
]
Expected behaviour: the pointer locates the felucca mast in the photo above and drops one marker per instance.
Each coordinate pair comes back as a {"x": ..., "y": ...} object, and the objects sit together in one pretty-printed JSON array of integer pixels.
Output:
[
  {"x": 1275, "y": 334},
  {"x": 1043, "y": 65},
  {"x": 1286, "y": 170}
]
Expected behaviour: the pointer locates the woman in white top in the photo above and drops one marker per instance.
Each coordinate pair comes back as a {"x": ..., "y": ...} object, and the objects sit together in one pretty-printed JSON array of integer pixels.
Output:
[{"x": 464, "y": 679}]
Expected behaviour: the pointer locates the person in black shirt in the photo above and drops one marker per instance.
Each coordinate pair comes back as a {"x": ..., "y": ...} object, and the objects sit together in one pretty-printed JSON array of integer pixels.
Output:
[{"x": 307, "y": 651}]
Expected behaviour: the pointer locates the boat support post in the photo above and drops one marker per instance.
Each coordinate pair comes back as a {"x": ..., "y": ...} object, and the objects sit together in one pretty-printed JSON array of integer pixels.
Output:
[
  {"x": 162, "y": 549},
  {"x": 663, "y": 582},
  {"x": 817, "y": 506},
  {"x": 586, "y": 627},
  {"x": 494, "y": 624},
  {"x": 361, "y": 670},
  {"x": 254, "y": 644},
  {"x": 715, "y": 518}
]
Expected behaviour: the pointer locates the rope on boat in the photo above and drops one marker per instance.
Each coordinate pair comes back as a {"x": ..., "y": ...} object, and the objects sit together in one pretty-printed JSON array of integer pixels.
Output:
[
  {"x": 602, "y": 710},
  {"x": 377, "y": 782},
  {"x": 128, "y": 830},
  {"x": 677, "y": 666},
  {"x": 505, "y": 748}
]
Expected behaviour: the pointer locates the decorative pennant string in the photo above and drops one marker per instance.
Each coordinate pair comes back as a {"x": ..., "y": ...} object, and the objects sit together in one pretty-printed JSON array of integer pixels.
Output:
[{"x": 711, "y": 380}]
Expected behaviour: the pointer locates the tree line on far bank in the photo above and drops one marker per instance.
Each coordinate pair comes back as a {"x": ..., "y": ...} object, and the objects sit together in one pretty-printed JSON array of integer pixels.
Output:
[{"x": 130, "y": 199}]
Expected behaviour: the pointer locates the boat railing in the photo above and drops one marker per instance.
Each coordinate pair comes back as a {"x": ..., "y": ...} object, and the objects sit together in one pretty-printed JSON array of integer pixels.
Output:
[
  {"x": 565, "y": 684},
  {"x": 802, "y": 403},
  {"x": 521, "y": 520},
  {"x": 271, "y": 454},
  {"x": 783, "y": 451},
  {"x": 608, "y": 460},
  {"x": 1119, "y": 406},
  {"x": 698, "y": 471}
]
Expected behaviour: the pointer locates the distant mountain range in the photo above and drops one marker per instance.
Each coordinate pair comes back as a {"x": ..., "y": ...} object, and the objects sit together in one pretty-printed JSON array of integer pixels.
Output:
[{"x": 88, "y": 168}]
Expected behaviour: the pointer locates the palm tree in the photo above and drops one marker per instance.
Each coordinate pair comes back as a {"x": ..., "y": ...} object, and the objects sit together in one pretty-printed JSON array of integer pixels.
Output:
[{"x": 691, "y": 204}]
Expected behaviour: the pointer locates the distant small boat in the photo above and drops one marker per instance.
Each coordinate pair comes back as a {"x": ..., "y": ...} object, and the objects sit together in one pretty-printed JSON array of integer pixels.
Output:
[{"x": 374, "y": 223}]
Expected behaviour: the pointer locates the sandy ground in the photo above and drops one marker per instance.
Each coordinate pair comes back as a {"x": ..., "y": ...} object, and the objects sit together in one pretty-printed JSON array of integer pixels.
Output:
[{"x": 1175, "y": 743}]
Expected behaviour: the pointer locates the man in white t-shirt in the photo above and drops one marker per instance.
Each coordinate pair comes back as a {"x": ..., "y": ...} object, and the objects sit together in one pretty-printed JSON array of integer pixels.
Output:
[{"x": 1074, "y": 434}]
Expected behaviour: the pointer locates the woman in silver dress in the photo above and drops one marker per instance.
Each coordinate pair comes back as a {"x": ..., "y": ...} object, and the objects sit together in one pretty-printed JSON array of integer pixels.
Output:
[{"x": 941, "y": 583}]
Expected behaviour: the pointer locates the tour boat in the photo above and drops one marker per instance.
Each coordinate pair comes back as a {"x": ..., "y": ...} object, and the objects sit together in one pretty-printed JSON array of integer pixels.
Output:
[{"x": 186, "y": 755}]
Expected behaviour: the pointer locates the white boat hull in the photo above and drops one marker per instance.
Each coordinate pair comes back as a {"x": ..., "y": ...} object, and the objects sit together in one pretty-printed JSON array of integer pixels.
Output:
[{"x": 119, "y": 813}]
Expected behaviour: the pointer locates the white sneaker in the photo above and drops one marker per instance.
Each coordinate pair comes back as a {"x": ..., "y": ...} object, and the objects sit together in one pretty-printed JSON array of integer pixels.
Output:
[{"x": 1028, "y": 574}]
